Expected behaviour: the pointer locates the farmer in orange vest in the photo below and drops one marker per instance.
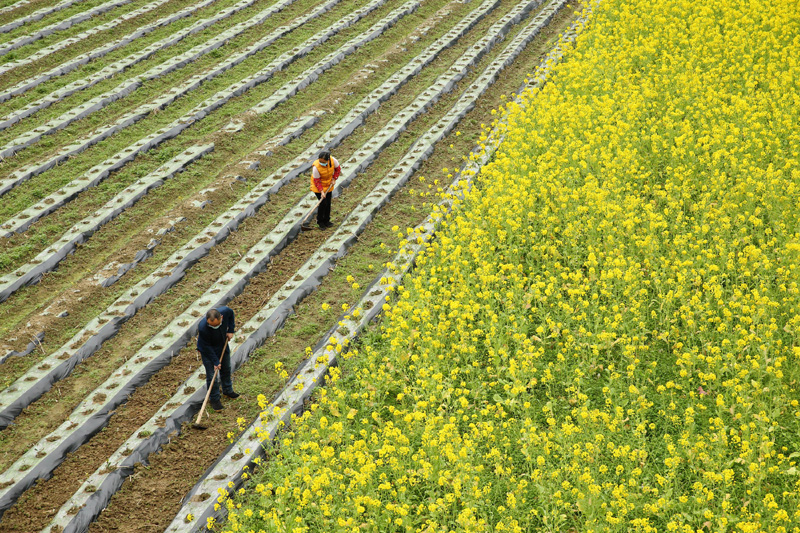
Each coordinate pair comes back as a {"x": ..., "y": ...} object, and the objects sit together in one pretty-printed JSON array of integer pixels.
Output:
[{"x": 324, "y": 172}]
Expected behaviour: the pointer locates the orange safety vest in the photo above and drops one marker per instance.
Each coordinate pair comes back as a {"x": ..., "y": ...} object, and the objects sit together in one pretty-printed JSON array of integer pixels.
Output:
[{"x": 325, "y": 174}]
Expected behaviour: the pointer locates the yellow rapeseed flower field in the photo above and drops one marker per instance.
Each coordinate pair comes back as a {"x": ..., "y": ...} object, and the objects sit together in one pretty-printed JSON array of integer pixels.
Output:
[{"x": 604, "y": 334}]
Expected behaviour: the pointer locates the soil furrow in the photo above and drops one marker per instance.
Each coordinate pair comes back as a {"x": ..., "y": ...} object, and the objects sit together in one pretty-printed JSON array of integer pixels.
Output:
[
  {"x": 79, "y": 11},
  {"x": 98, "y": 173},
  {"x": 144, "y": 54},
  {"x": 97, "y": 103},
  {"x": 46, "y": 261},
  {"x": 57, "y": 69},
  {"x": 137, "y": 18},
  {"x": 22, "y": 40},
  {"x": 36, "y": 53},
  {"x": 10, "y": 243},
  {"x": 26, "y": 14},
  {"x": 312, "y": 150},
  {"x": 195, "y": 114}
]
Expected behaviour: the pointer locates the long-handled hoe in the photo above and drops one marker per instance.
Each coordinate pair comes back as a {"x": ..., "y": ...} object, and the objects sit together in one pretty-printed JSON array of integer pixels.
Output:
[
  {"x": 197, "y": 424},
  {"x": 303, "y": 225}
]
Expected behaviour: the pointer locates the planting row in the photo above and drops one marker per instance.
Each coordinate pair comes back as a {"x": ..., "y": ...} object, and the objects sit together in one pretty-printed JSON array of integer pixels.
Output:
[
  {"x": 176, "y": 62},
  {"x": 36, "y": 15},
  {"x": 88, "y": 340},
  {"x": 281, "y": 95},
  {"x": 98, "y": 52},
  {"x": 114, "y": 69},
  {"x": 50, "y": 257},
  {"x": 15, "y": 5},
  {"x": 77, "y": 146},
  {"x": 62, "y": 25},
  {"x": 171, "y": 271}
]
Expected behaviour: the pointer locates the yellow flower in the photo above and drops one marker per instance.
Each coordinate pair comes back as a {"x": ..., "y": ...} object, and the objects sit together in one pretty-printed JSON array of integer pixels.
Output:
[{"x": 603, "y": 332}]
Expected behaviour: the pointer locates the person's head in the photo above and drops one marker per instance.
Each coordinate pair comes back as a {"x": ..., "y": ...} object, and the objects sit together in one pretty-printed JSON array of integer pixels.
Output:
[
  {"x": 213, "y": 318},
  {"x": 324, "y": 158}
]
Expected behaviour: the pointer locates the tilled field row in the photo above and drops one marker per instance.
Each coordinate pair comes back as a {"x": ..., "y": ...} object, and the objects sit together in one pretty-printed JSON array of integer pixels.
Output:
[
  {"x": 34, "y": 269},
  {"x": 53, "y": 201},
  {"x": 59, "y": 364},
  {"x": 22, "y": 40},
  {"x": 80, "y": 145},
  {"x": 265, "y": 323},
  {"x": 173, "y": 337},
  {"x": 99, "y": 102},
  {"x": 172, "y": 270},
  {"x": 128, "y": 86},
  {"x": 36, "y": 15},
  {"x": 15, "y": 5},
  {"x": 77, "y": 146},
  {"x": 98, "y": 52},
  {"x": 21, "y": 393}
]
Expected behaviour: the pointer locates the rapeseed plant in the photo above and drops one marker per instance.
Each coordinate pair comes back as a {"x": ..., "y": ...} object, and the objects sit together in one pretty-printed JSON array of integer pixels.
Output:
[{"x": 604, "y": 334}]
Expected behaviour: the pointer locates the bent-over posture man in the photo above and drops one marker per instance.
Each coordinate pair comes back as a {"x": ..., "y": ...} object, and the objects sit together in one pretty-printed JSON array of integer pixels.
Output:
[
  {"x": 324, "y": 172},
  {"x": 214, "y": 330}
]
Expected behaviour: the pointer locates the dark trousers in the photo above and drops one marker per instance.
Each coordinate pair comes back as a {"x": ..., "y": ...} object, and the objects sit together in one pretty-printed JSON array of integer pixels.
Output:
[
  {"x": 324, "y": 209},
  {"x": 224, "y": 374}
]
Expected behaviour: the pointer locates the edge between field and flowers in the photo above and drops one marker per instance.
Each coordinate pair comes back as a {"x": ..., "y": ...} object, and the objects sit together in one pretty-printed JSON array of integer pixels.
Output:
[{"x": 603, "y": 335}]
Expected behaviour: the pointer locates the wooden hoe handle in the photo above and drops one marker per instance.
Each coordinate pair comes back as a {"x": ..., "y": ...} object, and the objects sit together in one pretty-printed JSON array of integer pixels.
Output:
[
  {"x": 211, "y": 385},
  {"x": 316, "y": 205}
]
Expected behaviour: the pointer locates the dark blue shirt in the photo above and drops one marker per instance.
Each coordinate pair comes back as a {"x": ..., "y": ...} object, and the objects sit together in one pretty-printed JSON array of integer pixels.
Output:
[{"x": 210, "y": 341}]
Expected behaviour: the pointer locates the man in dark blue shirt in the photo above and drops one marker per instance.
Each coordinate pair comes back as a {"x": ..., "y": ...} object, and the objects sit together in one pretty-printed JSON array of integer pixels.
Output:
[{"x": 212, "y": 333}]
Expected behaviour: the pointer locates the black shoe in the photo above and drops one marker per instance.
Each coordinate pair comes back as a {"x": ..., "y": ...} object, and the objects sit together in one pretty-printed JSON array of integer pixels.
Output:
[
  {"x": 322, "y": 226},
  {"x": 231, "y": 395},
  {"x": 216, "y": 405},
  {"x": 329, "y": 225}
]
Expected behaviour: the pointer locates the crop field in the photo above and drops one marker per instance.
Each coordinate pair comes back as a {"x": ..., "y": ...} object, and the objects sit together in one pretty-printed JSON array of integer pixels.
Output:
[
  {"x": 154, "y": 163},
  {"x": 602, "y": 334}
]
